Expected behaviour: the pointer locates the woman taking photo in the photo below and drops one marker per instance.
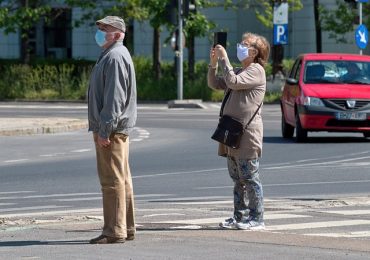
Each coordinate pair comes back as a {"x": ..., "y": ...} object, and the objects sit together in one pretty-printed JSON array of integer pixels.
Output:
[{"x": 245, "y": 89}]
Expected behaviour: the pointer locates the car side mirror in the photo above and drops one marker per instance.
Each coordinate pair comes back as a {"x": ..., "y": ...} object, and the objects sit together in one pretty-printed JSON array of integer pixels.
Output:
[{"x": 291, "y": 81}]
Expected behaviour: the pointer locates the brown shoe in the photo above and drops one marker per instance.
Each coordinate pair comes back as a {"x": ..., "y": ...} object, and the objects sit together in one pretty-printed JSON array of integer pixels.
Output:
[
  {"x": 130, "y": 237},
  {"x": 102, "y": 239}
]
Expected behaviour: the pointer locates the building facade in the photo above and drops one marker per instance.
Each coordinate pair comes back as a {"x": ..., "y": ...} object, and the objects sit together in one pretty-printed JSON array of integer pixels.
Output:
[{"x": 61, "y": 40}]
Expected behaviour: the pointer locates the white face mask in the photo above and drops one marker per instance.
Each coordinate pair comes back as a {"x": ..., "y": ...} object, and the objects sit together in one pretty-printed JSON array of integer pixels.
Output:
[
  {"x": 242, "y": 52},
  {"x": 100, "y": 38}
]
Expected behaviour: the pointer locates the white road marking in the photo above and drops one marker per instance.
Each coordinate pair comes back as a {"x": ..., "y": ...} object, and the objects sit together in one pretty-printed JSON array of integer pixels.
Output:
[
  {"x": 190, "y": 199},
  {"x": 81, "y": 151},
  {"x": 45, "y": 106},
  {"x": 317, "y": 164},
  {"x": 16, "y": 192},
  {"x": 348, "y": 212},
  {"x": 7, "y": 204},
  {"x": 163, "y": 214},
  {"x": 136, "y": 140},
  {"x": 52, "y": 155},
  {"x": 357, "y": 234},
  {"x": 15, "y": 161},
  {"x": 324, "y": 224},
  {"x": 314, "y": 183},
  {"x": 201, "y": 221},
  {"x": 32, "y": 208},
  {"x": 79, "y": 199},
  {"x": 59, "y": 195},
  {"x": 203, "y": 202},
  {"x": 191, "y": 227},
  {"x": 54, "y": 213},
  {"x": 152, "y": 195},
  {"x": 177, "y": 173},
  {"x": 287, "y": 184}
]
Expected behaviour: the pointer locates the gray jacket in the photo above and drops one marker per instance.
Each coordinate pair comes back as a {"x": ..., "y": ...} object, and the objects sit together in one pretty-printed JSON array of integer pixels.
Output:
[{"x": 112, "y": 93}]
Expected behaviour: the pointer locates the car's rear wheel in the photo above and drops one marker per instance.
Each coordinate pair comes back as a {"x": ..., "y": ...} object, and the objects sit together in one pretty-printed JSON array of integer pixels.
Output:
[
  {"x": 366, "y": 134},
  {"x": 286, "y": 130},
  {"x": 300, "y": 133}
]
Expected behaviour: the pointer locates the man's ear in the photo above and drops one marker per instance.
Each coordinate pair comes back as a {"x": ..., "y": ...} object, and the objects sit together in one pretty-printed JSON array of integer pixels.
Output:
[{"x": 117, "y": 36}]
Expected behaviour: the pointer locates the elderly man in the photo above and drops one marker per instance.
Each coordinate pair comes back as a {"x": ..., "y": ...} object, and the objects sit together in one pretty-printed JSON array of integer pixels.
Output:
[{"x": 112, "y": 114}]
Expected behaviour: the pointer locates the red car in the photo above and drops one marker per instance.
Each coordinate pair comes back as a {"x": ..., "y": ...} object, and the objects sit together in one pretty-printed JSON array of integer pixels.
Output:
[{"x": 326, "y": 92}]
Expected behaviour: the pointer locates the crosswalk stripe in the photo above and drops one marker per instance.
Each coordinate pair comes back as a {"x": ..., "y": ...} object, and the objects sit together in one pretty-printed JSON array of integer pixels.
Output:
[
  {"x": 324, "y": 224},
  {"x": 357, "y": 234},
  {"x": 200, "y": 221},
  {"x": 6, "y": 204},
  {"x": 79, "y": 199},
  {"x": 348, "y": 212},
  {"x": 54, "y": 213},
  {"x": 32, "y": 208}
]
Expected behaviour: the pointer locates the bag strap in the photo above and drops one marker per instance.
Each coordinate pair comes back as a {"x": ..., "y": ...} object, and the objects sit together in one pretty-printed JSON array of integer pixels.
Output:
[
  {"x": 224, "y": 102},
  {"x": 255, "y": 113}
]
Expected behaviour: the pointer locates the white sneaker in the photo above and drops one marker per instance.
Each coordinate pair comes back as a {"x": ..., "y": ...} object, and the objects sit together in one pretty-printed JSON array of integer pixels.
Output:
[
  {"x": 228, "y": 223},
  {"x": 250, "y": 225}
]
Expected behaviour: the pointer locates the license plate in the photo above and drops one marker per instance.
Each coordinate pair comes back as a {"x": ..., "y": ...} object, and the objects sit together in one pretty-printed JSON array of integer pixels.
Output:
[{"x": 350, "y": 116}]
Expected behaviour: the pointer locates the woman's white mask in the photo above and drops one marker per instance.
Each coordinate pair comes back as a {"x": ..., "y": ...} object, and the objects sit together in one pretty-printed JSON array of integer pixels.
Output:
[{"x": 242, "y": 52}]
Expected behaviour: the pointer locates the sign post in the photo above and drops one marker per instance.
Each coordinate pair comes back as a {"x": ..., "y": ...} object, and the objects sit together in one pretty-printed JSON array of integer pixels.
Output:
[
  {"x": 280, "y": 34},
  {"x": 361, "y": 33},
  {"x": 281, "y": 23},
  {"x": 180, "y": 54}
]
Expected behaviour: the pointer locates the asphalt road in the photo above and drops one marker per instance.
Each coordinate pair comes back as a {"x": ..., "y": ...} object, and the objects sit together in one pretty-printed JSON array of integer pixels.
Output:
[{"x": 179, "y": 180}]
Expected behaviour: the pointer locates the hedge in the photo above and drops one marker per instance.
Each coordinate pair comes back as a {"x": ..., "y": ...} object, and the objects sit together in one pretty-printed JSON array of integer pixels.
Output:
[{"x": 68, "y": 80}]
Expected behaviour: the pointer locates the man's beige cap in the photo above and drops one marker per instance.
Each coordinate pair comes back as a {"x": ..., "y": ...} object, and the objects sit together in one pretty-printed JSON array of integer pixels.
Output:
[{"x": 114, "y": 21}]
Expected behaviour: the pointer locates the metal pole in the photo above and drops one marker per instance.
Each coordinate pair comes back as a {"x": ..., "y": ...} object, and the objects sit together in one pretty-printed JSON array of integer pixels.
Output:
[
  {"x": 180, "y": 54},
  {"x": 360, "y": 15}
]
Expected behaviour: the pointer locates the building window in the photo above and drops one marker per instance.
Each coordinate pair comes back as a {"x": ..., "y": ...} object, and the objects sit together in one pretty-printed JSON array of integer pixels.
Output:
[{"x": 58, "y": 35}]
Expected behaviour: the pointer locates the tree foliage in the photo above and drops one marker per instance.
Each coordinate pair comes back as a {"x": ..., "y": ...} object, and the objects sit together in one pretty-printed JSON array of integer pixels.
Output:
[
  {"x": 265, "y": 12},
  {"x": 340, "y": 20}
]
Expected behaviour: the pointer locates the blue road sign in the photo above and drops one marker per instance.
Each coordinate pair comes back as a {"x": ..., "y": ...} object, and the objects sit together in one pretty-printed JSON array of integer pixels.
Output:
[
  {"x": 363, "y": 1},
  {"x": 361, "y": 36},
  {"x": 280, "y": 34}
]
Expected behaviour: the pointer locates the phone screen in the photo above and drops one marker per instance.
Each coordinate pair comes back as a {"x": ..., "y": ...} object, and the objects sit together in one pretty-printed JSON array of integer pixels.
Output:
[{"x": 220, "y": 38}]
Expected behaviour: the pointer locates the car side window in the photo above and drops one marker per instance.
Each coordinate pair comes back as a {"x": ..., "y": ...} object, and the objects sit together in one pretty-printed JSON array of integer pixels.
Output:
[
  {"x": 298, "y": 72},
  {"x": 294, "y": 69}
]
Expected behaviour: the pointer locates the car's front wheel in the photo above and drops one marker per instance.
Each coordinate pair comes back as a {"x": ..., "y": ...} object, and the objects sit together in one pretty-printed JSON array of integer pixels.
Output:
[
  {"x": 286, "y": 130},
  {"x": 366, "y": 134},
  {"x": 300, "y": 133}
]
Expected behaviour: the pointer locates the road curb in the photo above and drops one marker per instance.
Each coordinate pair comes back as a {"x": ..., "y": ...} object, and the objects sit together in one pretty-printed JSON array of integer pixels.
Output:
[{"x": 44, "y": 129}]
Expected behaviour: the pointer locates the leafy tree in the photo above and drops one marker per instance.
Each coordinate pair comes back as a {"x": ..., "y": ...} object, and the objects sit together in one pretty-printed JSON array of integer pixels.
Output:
[
  {"x": 196, "y": 25},
  {"x": 265, "y": 12},
  {"x": 21, "y": 15},
  {"x": 340, "y": 20}
]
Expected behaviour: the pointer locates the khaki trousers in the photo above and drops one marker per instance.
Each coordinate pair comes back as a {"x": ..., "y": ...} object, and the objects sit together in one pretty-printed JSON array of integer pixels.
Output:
[{"x": 116, "y": 185}]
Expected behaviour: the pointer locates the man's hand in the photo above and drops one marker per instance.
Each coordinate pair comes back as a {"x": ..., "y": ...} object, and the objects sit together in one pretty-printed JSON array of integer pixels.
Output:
[{"x": 102, "y": 142}]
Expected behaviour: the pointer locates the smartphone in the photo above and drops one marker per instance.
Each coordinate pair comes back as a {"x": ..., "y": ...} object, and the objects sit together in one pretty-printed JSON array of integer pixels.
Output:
[{"x": 220, "y": 38}]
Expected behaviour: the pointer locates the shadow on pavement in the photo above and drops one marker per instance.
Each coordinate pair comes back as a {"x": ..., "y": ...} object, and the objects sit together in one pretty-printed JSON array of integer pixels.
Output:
[{"x": 41, "y": 243}]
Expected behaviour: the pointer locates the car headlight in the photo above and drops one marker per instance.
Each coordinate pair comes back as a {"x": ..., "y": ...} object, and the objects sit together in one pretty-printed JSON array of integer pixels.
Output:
[{"x": 311, "y": 101}]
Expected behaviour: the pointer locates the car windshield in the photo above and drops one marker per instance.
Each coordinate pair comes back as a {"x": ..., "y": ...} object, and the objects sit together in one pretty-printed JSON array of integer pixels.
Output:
[{"x": 339, "y": 72}]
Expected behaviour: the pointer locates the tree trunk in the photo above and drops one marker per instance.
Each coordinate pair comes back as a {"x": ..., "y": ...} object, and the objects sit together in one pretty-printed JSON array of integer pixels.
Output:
[
  {"x": 25, "y": 53},
  {"x": 191, "y": 56},
  {"x": 157, "y": 53},
  {"x": 317, "y": 26}
]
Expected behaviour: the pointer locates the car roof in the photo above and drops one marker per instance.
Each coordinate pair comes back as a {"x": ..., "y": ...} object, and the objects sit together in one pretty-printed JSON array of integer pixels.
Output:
[{"x": 334, "y": 56}]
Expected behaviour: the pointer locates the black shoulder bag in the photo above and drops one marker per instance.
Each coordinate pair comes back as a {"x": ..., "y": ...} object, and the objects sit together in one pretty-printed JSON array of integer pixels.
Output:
[{"x": 229, "y": 131}]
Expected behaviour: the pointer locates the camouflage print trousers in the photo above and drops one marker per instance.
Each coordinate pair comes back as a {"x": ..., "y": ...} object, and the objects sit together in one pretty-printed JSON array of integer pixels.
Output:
[{"x": 247, "y": 185}]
